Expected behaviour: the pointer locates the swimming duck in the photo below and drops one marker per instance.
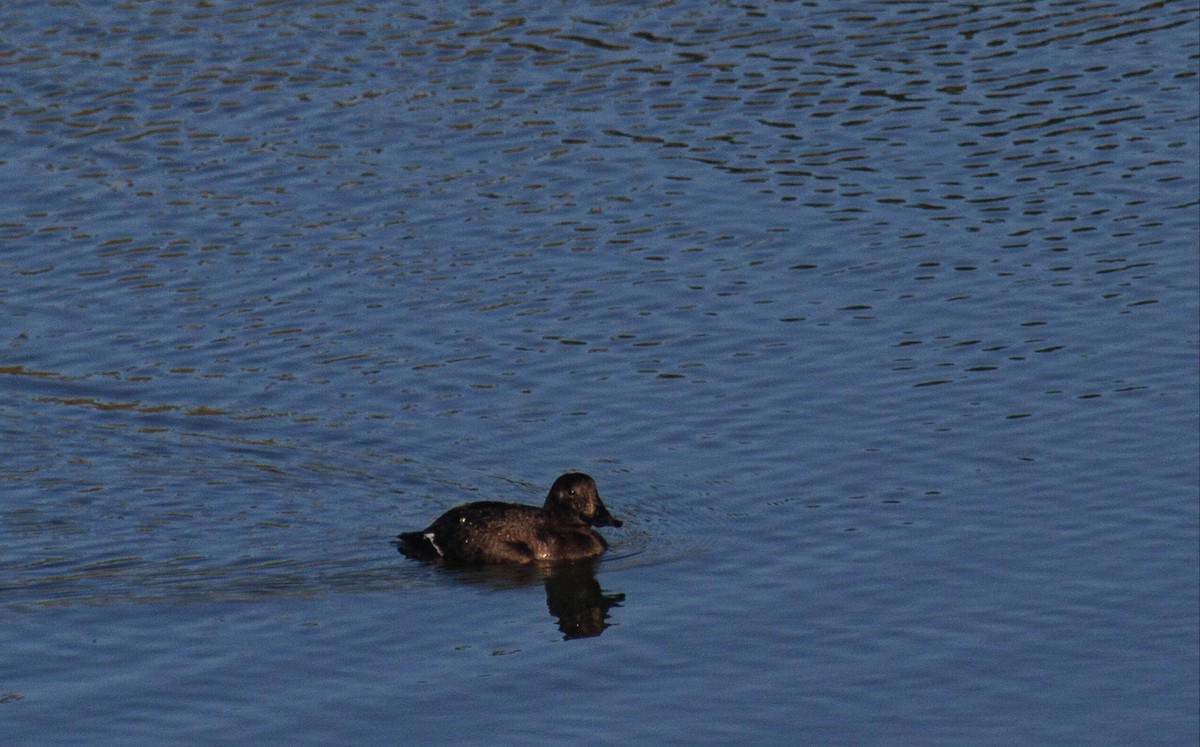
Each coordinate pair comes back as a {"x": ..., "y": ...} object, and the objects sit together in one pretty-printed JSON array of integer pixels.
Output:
[{"x": 491, "y": 532}]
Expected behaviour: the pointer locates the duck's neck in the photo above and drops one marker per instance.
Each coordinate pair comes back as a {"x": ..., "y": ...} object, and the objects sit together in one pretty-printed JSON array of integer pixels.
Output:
[{"x": 562, "y": 518}]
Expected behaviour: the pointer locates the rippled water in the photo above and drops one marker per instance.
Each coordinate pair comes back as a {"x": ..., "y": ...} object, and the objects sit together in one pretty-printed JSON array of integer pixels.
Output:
[{"x": 877, "y": 324}]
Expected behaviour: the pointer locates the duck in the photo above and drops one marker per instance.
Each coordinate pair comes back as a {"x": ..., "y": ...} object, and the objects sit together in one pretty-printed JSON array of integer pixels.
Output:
[{"x": 497, "y": 533}]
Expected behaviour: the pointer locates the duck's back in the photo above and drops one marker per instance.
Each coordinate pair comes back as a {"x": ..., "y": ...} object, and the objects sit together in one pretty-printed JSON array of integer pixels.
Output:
[{"x": 491, "y": 532}]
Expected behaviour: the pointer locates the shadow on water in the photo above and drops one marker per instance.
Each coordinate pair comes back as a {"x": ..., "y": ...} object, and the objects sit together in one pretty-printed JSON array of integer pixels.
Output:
[{"x": 573, "y": 595}]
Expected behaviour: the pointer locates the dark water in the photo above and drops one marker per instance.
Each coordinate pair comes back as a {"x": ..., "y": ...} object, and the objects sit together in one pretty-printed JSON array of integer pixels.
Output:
[{"x": 877, "y": 323}]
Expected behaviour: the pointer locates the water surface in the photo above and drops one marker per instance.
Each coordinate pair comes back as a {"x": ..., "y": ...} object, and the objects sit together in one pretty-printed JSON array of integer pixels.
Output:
[{"x": 876, "y": 323}]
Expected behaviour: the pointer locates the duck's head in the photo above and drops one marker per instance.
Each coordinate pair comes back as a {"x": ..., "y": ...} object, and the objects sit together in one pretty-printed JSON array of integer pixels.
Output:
[{"x": 574, "y": 499}]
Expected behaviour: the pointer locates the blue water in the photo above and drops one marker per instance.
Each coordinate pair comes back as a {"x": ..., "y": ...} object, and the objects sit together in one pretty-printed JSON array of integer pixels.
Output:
[{"x": 878, "y": 324}]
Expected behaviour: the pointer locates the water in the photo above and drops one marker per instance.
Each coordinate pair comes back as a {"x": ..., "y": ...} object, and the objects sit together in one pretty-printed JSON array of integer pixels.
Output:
[{"x": 876, "y": 323}]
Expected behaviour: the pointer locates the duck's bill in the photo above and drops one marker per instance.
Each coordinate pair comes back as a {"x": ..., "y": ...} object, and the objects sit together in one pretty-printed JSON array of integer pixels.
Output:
[{"x": 604, "y": 519}]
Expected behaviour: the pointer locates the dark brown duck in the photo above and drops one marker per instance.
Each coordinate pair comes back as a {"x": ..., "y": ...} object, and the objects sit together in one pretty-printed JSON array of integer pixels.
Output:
[{"x": 490, "y": 532}]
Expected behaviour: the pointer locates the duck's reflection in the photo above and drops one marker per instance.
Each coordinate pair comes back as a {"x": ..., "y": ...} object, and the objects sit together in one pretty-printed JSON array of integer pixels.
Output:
[{"x": 573, "y": 595}]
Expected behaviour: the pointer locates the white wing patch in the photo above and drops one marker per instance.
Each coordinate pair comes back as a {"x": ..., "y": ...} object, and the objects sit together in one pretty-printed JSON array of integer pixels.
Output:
[{"x": 429, "y": 536}]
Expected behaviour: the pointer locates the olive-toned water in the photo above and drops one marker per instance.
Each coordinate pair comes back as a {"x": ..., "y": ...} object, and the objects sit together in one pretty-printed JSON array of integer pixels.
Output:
[{"x": 876, "y": 324}]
